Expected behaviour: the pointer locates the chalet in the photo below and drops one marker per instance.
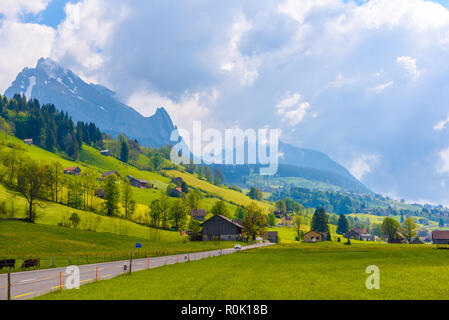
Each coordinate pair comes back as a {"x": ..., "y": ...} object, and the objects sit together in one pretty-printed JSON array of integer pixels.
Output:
[
  {"x": 369, "y": 237},
  {"x": 271, "y": 236},
  {"x": 198, "y": 214},
  {"x": 398, "y": 239},
  {"x": 72, "y": 171},
  {"x": 440, "y": 237},
  {"x": 139, "y": 183},
  {"x": 105, "y": 153},
  {"x": 100, "y": 193},
  {"x": 28, "y": 142},
  {"x": 353, "y": 234},
  {"x": 222, "y": 228},
  {"x": 314, "y": 236},
  {"x": 109, "y": 173}
]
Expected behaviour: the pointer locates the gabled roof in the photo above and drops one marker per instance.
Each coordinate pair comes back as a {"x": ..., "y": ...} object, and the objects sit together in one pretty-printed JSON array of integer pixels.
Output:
[
  {"x": 71, "y": 168},
  {"x": 224, "y": 218},
  {"x": 108, "y": 173},
  {"x": 198, "y": 213},
  {"x": 440, "y": 235}
]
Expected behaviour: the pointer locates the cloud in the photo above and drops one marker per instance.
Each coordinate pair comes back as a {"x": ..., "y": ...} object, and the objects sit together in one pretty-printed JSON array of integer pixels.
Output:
[
  {"x": 291, "y": 110},
  {"x": 409, "y": 65},
  {"x": 443, "y": 167},
  {"x": 382, "y": 87},
  {"x": 364, "y": 165},
  {"x": 12, "y": 9},
  {"x": 441, "y": 124}
]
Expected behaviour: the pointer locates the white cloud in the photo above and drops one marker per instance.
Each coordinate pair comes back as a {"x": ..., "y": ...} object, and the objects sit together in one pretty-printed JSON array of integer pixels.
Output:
[
  {"x": 441, "y": 124},
  {"x": 382, "y": 87},
  {"x": 364, "y": 165},
  {"x": 409, "y": 65},
  {"x": 443, "y": 166},
  {"x": 12, "y": 8},
  {"x": 291, "y": 109}
]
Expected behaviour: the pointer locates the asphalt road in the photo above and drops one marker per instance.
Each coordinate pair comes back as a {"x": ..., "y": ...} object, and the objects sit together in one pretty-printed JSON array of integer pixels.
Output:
[{"x": 29, "y": 284}]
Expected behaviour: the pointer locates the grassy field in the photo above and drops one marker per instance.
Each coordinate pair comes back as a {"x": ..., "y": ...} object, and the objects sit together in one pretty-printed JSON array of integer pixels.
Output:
[
  {"x": 21, "y": 240},
  {"x": 287, "y": 271}
]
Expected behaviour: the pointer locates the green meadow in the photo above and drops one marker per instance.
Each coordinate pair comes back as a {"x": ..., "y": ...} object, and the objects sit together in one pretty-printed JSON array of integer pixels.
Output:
[{"x": 287, "y": 272}]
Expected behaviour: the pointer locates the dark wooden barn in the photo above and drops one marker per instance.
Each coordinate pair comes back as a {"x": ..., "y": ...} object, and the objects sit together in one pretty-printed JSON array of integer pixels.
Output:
[
  {"x": 440, "y": 238},
  {"x": 219, "y": 227}
]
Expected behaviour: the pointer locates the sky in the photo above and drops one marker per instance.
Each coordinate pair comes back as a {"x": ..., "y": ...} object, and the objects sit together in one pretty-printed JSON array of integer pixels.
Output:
[{"x": 365, "y": 82}]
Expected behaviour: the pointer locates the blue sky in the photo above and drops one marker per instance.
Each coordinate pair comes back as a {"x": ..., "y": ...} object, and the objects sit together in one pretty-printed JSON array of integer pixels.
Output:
[{"x": 365, "y": 82}]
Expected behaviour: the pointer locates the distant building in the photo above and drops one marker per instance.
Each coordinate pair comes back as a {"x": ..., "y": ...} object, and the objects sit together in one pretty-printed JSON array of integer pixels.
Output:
[
  {"x": 398, "y": 239},
  {"x": 313, "y": 236},
  {"x": 222, "y": 228},
  {"x": 368, "y": 237},
  {"x": 139, "y": 183},
  {"x": 109, "y": 173},
  {"x": 416, "y": 241},
  {"x": 72, "y": 171},
  {"x": 198, "y": 214},
  {"x": 105, "y": 153},
  {"x": 271, "y": 236},
  {"x": 440, "y": 237},
  {"x": 28, "y": 142},
  {"x": 100, "y": 193}
]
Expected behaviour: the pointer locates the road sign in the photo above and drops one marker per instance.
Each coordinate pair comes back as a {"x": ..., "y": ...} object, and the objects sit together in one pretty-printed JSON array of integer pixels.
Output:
[{"x": 138, "y": 245}]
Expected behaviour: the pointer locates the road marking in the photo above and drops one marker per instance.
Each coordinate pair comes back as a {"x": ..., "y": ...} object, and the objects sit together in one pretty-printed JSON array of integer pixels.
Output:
[
  {"x": 85, "y": 280},
  {"x": 28, "y": 280},
  {"x": 23, "y": 295},
  {"x": 108, "y": 275},
  {"x": 56, "y": 287}
]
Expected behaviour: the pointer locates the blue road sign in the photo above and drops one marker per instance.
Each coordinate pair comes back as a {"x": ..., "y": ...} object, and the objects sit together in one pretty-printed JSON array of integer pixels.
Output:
[{"x": 138, "y": 245}]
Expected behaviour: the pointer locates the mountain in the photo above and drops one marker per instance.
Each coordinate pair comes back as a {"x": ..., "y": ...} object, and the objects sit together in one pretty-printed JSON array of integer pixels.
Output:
[
  {"x": 51, "y": 83},
  {"x": 314, "y": 169}
]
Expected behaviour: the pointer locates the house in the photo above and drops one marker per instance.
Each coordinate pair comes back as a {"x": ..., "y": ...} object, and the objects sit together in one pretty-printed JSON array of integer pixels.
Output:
[
  {"x": 368, "y": 237},
  {"x": 198, "y": 214},
  {"x": 355, "y": 234},
  {"x": 222, "y": 228},
  {"x": 440, "y": 237},
  {"x": 109, "y": 173},
  {"x": 416, "y": 241},
  {"x": 271, "y": 236},
  {"x": 287, "y": 221},
  {"x": 28, "y": 142},
  {"x": 105, "y": 153},
  {"x": 314, "y": 236},
  {"x": 139, "y": 183},
  {"x": 398, "y": 239},
  {"x": 72, "y": 171},
  {"x": 100, "y": 193}
]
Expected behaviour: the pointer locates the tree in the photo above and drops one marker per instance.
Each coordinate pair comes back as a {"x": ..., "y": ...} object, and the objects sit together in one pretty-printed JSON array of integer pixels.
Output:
[
  {"x": 75, "y": 220},
  {"x": 194, "y": 199},
  {"x": 220, "y": 208},
  {"x": 111, "y": 196},
  {"x": 155, "y": 213},
  {"x": 271, "y": 219},
  {"x": 218, "y": 177},
  {"x": 179, "y": 212},
  {"x": 320, "y": 221},
  {"x": 390, "y": 228},
  {"x": 409, "y": 229},
  {"x": 208, "y": 174},
  {"x": 128, "y": 202},
  {"x": 164, "y": 205},
  {"x": 254, "y": 221},
  {"x": 30, "y": 183},
  {"x": 281, "y": 206},
  {"x": 342, "y": 225},
  {"x": 255, "y": 194},
  {"x": 298, "y": 221},
  {"x": 124, "y": 149},
  {"x": 238, "y": 214}
]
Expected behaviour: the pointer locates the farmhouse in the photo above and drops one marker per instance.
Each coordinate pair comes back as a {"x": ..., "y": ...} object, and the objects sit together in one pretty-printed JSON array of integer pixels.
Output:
[
  {"x": 353, "y": 234},
  {"x": 72, "y": 171},
  {"x": 440, "y": 237},
  {"x": 198, "y": 214},
  {"x": 28, "y": 142},
  {"x": 313, "y": 236},
  {"x": 105, "y": 153},
  {"x": 271, "y": 236},
  {"x": 109, "y": 173},
  {"x": 222, "y": 228},
  {"x": 139, "y": 183}
]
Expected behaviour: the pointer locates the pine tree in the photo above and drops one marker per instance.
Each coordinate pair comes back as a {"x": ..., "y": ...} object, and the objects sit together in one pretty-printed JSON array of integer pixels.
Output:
[
  {"x": 124, "y": 151},
  {"x": 342, "y": 226},
  {"x": 320, "y": 221}
]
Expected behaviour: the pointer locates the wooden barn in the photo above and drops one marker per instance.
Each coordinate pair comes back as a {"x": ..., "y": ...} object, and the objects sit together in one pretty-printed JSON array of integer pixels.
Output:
[
  {"x": 440, "y": 238},
  {"x": 198, "y": 214},
  {"x": 109, "y": 173},
  {"x": 313, "y": 236},
  {"x": 139, "y": 183},
  {"x": 72, "y": 171},
  {"x": 222, "y": 228}
]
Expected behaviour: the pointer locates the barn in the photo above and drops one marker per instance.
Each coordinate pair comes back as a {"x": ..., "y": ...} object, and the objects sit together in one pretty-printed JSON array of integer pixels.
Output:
[
  {"x": 222, "y": 228},
  {"x": 313, "y": 236},
  {"x": 440, "y": 238}
]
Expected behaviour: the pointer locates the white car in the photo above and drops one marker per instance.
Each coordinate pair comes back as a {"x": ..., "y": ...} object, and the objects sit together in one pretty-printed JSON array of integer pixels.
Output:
[{"x": 237, "y": 247}]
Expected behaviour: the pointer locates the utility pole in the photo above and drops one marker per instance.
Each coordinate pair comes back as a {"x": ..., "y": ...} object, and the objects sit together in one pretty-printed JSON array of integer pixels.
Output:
[
  {"x": 130, "y": 263},
  {"x": 9, "y": 285}
]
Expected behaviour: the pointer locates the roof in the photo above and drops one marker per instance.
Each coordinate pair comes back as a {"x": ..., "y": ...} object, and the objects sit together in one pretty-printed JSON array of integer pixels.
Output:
[
  {"x": 316, "y": 232},
  {"x": 139, "y": 180},
  {"x": 105, "y": 150},
  {"x": 108, "y": 173},
  {"x": 440, "y": 235},
  {"x": 198, "y": 212},
  {"x": 71, "y": 168},
  {"x": 28, "y": 140},
  {"x": 224, "y": 218}
]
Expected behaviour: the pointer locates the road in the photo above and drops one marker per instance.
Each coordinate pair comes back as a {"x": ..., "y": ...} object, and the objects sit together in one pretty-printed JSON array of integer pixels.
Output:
[{"x": 29, "y": 284}]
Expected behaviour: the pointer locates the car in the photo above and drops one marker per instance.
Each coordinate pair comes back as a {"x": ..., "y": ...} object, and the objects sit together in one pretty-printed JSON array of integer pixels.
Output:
[{"x": 237, "y": 247}]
